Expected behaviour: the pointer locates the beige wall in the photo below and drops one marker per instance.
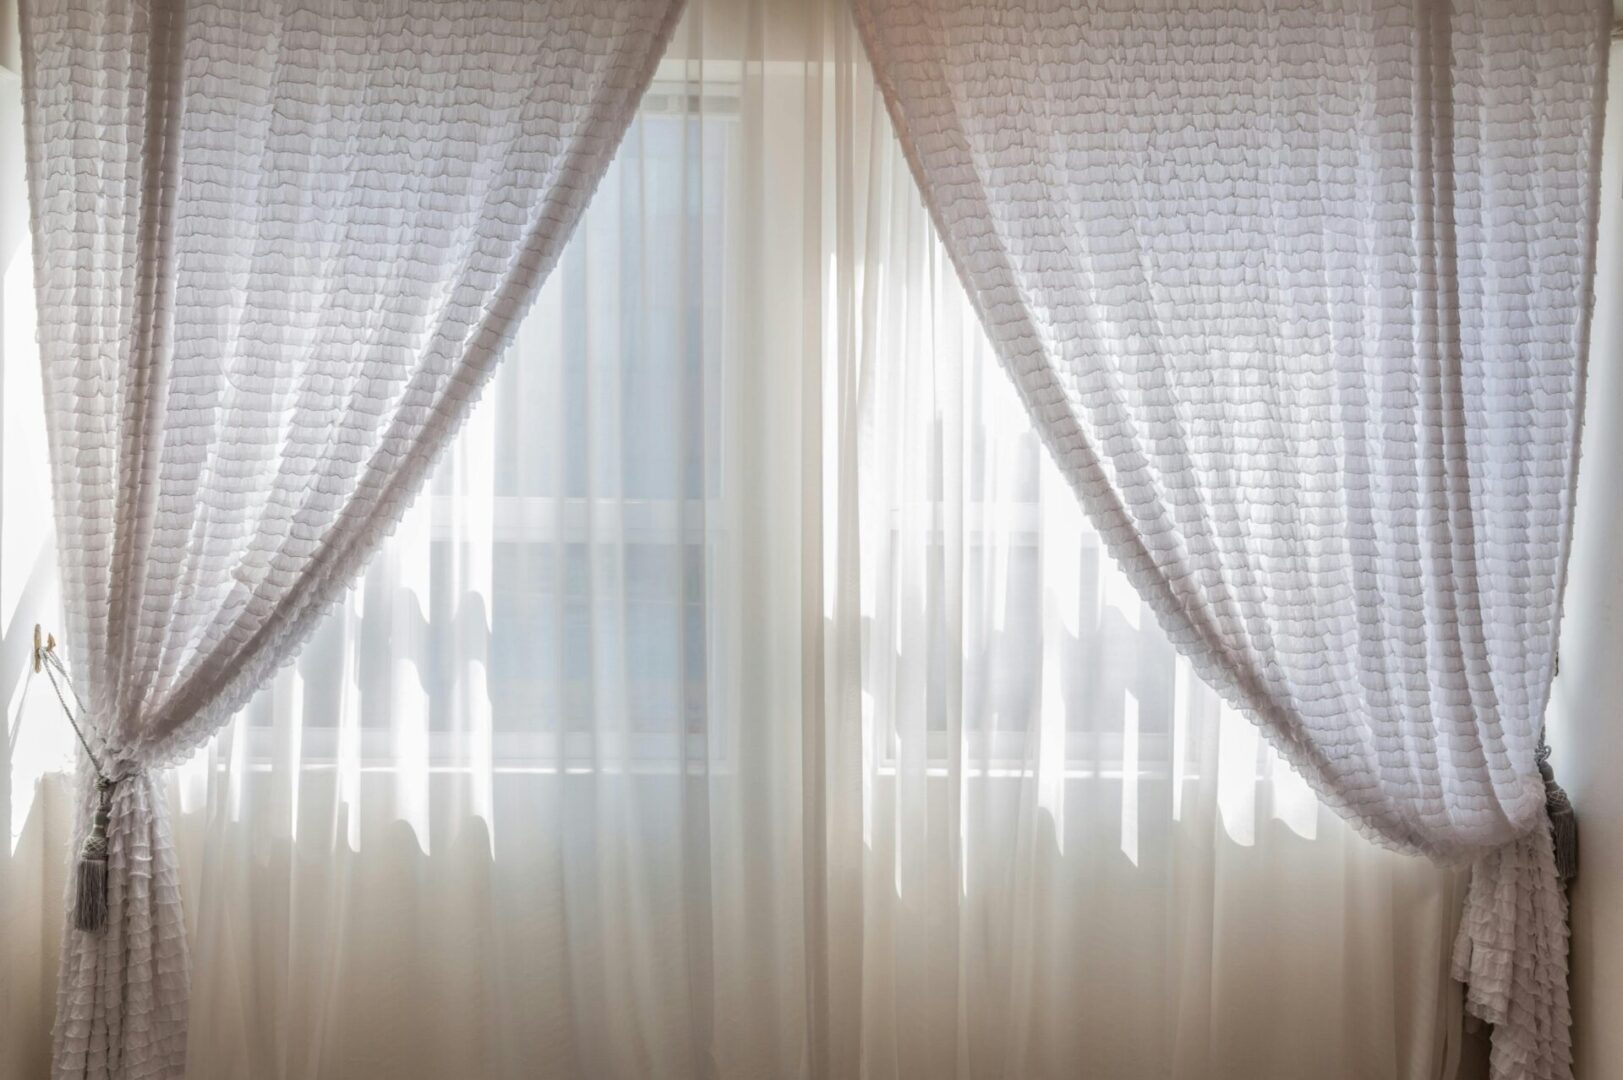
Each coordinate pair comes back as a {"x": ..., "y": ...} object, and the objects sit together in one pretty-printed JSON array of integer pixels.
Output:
[{"x": 1586, "y": 713}]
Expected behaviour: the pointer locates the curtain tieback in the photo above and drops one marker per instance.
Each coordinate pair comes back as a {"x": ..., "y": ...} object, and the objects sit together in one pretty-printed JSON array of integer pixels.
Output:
[
  {"x": 1563, "y": 822},
  {"x": 90, "y": 877},
  {"x": 90, "y": 880}
]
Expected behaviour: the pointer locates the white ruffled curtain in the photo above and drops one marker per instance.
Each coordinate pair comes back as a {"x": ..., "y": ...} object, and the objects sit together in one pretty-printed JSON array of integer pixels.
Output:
[
  {"x": 278, "y": 251},
  {"x": 1298, "y": 300},
  {"x": 535, "y": 802},
  {"x": 1068, "y": 858},
  {"x": 1071, "y": 858},
  {"x": 529, "y": 804},
  {"x": 537, "y": 799}
]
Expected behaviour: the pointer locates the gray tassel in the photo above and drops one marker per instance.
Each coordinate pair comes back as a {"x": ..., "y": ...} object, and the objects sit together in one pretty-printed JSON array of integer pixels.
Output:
[
  {"x": 90, "y": 898},
  {"x": 1563, "y": 822},
  {"x": 90, "y": 878}
]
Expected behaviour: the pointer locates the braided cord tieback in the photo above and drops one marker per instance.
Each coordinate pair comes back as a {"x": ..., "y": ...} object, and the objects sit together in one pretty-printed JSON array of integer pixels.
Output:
[
  {"x": 90, "y": 879},
  {"x": 1563, "y": 822}
]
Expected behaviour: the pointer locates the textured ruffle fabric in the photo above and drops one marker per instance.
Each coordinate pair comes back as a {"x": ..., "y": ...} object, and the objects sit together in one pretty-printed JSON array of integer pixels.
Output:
[
  {"x": 279, "y": 249},
  {"x": 122, "y": 996},
  {"x": 1297, "y": 295},
  {"x": 1511, "y": 954}
]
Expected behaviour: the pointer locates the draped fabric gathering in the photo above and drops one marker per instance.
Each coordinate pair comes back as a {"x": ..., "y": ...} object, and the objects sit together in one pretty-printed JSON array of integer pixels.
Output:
[
  {"x": 1298, "y": 299},
  {"x": 278, "y": 251},
  {"x": 533, "y": 801}
]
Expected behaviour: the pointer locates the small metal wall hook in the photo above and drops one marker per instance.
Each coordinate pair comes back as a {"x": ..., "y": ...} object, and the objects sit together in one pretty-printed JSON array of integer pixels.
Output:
[{"x": 42, "y": 647}]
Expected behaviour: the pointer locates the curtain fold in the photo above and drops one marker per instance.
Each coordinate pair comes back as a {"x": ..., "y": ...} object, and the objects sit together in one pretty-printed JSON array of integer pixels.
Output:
[
  {"x": 1298, "y": 300},
  {"x": 278, "y": 251}
]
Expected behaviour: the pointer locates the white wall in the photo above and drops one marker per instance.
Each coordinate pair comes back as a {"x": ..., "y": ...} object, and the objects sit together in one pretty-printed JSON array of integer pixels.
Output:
[{"x": 1586, "y": 711}]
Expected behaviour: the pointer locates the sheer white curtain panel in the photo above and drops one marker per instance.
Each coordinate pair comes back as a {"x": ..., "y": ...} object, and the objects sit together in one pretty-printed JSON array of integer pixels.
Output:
[
  {"x": 1298, "y": 299},
  {"x": 571, "y": 750},
  {"x": 1069, "y": 858},
  {"x": 277, "y": 252},
  {"x": 546, "y": 758},
  {"x": 747, "y": 696}
]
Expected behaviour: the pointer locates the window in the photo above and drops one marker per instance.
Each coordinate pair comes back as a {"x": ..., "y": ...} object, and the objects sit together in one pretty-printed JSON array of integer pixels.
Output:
[{"x": 563, "y": 551}]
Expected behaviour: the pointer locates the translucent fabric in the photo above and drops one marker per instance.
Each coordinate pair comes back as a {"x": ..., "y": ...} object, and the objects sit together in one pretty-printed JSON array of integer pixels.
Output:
[
  {"x": 1298, "y": 300},
  {"x": 654, "y": 740},
  {"x": 278, "y": 251},
  {"x": 1069, "y": 857}
]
